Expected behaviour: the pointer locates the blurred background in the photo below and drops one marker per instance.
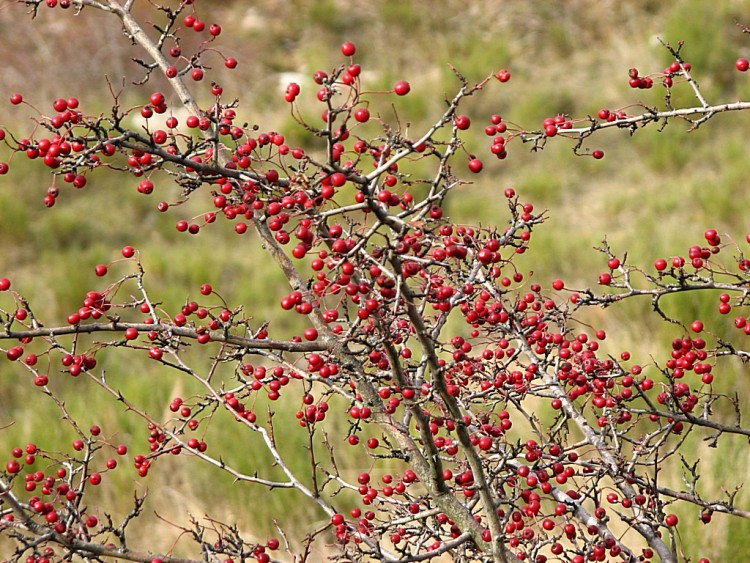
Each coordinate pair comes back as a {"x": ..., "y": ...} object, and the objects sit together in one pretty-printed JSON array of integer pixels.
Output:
[{"x": 652, "y": 195}]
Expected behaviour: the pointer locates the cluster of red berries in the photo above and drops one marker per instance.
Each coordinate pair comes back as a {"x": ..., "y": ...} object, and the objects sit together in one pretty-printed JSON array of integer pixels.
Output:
[
  {"x": 699, "y": 256},
  {"x": 57, "y": 496}
]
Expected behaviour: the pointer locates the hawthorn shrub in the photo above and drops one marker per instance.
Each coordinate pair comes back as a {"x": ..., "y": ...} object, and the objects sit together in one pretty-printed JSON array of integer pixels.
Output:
[{"x": 493, "y": 422}]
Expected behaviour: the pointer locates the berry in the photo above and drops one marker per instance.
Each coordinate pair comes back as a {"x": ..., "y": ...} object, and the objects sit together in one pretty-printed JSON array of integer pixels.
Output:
[
  {"x": 503, "y": 75},
  {"x": 320, "y": 77},
  {"x": 362, "y": 115},
  {"x": 348, "y": 49},
  {"x": 475, "y": 165},
  {"x": 742, "y": 65},
  {"x": 401, "y": 88},
  {"x": 462, "y": 122}
]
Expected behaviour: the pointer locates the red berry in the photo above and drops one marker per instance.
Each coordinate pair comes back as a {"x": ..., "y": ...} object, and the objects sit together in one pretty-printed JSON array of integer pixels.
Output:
[
  {"x": 362, "y": 115},
  {"x": 319, "y": 77},
  {"x": 598, "y": 154},
  {"x": 16, "y": 99},
  {"x": 401, "y": 88},
  {"x": 462, "y": 122},
  {"x": 101, "y": 270},
  {"x": 696, "y": 326},
  {"x": 348, "y": 49},
  {"x": 503, "y": 75},
  {"x": 230, "y": 62},
  {"x": 475, "y": 165},
  {"x": 742, "y": 65},
  {"x": 485, "y": 443}
]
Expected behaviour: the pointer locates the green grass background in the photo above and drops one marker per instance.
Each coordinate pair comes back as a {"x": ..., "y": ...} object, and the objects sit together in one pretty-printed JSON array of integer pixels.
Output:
[{"x": 652, "y": 195}]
